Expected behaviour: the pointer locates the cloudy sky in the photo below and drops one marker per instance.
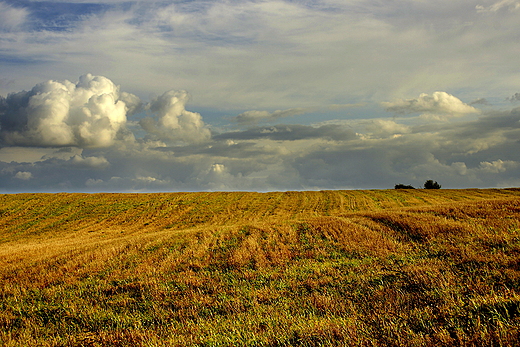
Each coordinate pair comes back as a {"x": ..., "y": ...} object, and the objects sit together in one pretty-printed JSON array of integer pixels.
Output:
[{"x": 262, "y": 95}]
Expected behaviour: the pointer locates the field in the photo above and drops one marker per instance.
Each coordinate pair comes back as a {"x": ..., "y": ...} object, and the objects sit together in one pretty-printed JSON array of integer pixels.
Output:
[{"x": 330, "y": 268}]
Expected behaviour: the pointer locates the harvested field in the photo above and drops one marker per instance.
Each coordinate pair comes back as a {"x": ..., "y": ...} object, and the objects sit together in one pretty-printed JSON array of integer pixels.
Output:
[{"x": 329, "y": 268}]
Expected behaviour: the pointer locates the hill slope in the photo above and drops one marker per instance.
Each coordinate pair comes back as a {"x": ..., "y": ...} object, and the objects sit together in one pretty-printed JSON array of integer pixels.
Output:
[{"x": 392, "y": 267}]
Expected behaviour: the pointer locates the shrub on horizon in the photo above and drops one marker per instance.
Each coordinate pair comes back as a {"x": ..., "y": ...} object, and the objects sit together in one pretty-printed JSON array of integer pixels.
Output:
[
  {"x": 403, "y": 186},
  {"x": 430, "y": 184}
]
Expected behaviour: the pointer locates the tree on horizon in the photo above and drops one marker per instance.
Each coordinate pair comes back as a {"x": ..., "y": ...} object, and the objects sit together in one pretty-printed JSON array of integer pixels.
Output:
[{"x": 430, "y": 184}]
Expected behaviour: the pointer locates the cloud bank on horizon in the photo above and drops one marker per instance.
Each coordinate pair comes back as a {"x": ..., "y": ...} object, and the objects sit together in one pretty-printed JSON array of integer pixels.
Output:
[{"x": 258, "y": 95}]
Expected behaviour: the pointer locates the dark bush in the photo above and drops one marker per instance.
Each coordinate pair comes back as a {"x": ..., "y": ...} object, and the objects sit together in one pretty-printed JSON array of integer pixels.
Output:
[
  {"x": 430, "y": 184},
  {"x": 403, "y": 186}
]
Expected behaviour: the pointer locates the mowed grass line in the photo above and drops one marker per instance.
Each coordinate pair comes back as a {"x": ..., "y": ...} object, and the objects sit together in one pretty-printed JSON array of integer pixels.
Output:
[{"x": 332, "y": 268}]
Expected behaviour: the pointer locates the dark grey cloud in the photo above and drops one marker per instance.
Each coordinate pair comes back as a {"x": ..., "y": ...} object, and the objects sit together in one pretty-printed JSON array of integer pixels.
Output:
[
  {"x": 291, "y": 132},
  {"x": 497, "y": 124},
  {"x": 480, "y": 101},
  {"x": 413, "y": 159},
  {"x": 515, "y": 97},
  {"x": 343, "y": 167},
  {"x": 253, "y": 117},
  {"x": 228, "y": 149}
]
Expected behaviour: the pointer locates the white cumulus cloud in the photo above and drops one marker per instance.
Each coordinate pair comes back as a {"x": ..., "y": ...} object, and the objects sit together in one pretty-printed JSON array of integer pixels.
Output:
[
  {"x": 497, "y": 166},
  {"x": 23, "y": 175},
  {"x": 385, "y": 127},
  {"x": 89, "y": 113},
  {"x": 172, "y": 122},
  {"x": 439, "y": 105}
]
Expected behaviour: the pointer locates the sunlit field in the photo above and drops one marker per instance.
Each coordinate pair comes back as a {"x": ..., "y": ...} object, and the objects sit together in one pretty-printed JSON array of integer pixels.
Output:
[{"x": 330, "y": 268}]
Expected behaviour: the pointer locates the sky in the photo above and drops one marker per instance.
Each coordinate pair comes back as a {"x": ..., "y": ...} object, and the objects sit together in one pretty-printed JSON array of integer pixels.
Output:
[{"x": 258, "y": 95}]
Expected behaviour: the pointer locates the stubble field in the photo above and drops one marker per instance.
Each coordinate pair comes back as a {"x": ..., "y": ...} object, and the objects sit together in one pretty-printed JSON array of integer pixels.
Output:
[{"x": 329, "y": 268}]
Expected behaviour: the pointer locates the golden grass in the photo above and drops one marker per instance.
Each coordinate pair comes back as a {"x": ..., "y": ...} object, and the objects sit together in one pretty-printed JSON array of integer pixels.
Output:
[{"x": 330, "y": 268}]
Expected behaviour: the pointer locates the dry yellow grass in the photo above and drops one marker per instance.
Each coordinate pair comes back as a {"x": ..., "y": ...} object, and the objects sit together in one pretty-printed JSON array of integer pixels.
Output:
[{"x": 360, "y": 268}]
